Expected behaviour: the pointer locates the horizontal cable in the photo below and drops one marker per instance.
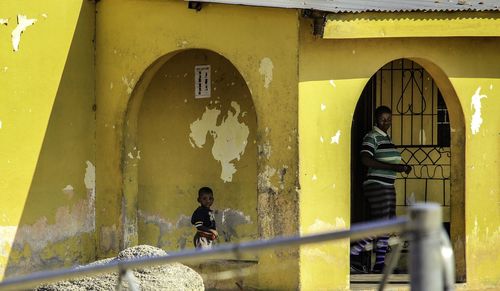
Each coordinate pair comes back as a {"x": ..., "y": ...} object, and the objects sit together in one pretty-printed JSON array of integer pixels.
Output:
[{"x": 357, "y": 231}]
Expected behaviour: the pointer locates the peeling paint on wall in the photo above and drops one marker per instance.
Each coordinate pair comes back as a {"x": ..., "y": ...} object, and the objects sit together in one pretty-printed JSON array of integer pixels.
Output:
[
  {"x": 227, "y": 220},
  {"x": 69, "y": 190},
  {"x": 166, "y": 227},
  {"x": 264, "y": 150},
  {"x": 230, "y": 137},
  {"x": 335, "y": 138},
  {"x": 266, "y": 69},
  {"x": 7, "y": 235},
  {"x": 264, "y": 180},
  {"x": 89, "y": 178},
  {"x": 333, "y": 83},
  {"x": 22, "y": 23},
  {"x": 4, "y": 21},
  {"x": 32, "y": 242},
  {"x": 323, "y": 107},
  {"x": 70, "y": 221},
  {"x": 477, "y": 120},
  {"x": 129, "y": 84},
  {"x": 322, "y": 226}
]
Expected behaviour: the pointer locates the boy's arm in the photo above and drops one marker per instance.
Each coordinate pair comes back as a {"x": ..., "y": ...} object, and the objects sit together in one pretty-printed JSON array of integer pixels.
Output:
[{"x": 199, "y": 226}]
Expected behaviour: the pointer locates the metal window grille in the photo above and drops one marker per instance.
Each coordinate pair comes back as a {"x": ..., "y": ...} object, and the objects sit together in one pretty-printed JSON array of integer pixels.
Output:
[{"x": 420, "y": 129}]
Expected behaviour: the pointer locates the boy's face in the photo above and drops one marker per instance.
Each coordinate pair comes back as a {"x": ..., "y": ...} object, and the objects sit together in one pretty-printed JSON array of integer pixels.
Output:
[{"x": 206, "y": 199}]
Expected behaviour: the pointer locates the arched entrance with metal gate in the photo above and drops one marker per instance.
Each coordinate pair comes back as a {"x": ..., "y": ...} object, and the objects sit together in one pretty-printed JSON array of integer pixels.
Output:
[{"x": 425, "y": 132}]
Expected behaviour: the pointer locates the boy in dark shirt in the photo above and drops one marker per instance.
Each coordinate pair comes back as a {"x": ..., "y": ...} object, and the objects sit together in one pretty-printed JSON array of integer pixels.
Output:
[{"x": 204, "y": 221}]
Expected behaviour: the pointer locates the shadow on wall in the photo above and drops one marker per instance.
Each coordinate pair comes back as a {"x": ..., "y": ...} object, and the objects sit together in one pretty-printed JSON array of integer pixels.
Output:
[{"x": 57, "y": 226}]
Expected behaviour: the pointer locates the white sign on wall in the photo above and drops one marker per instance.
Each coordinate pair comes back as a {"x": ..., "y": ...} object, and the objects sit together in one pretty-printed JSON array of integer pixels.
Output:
[{"x": 202, "y": 81}]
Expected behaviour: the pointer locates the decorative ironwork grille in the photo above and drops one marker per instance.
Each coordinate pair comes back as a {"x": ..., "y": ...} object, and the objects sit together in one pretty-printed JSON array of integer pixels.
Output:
[{"x": 420, "y": 129}]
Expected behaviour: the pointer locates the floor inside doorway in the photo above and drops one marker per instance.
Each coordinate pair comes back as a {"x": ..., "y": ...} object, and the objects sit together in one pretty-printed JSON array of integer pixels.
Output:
[{"x": 397, "y": 282}]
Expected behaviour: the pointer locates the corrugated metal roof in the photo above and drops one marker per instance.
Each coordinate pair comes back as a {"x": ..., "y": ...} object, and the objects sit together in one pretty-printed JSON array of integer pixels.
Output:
[{"x": 354, "y": 6}]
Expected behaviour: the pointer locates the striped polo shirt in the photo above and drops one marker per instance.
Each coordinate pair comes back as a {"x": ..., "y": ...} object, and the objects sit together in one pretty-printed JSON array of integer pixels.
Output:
[{"x": 379, "y": 145}]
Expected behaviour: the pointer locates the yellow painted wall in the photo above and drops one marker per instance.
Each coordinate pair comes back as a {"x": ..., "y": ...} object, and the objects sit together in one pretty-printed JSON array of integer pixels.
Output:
[
  {"x": 47, "y": 131},
  {"x": 311, "y": 89},
  {"x": 333, "y": 74},
  {"x": 134, "y": 40},
  {"x": 185, "y": 143}
]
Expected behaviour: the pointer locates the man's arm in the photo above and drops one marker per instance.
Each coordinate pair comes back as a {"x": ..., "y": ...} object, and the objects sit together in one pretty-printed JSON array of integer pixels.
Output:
[{"x": 370, "y": 162}]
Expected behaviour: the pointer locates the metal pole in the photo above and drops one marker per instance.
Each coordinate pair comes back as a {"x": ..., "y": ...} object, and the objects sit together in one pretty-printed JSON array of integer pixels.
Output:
[
  {"x": 426, "y": 268},
  {"x": 357, "y": 231}
]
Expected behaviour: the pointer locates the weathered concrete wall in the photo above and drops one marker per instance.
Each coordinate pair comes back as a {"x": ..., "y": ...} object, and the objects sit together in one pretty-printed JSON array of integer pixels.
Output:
[
  {"x": 333, "y": 74},
  {"x": 47, "y": 127},
  {"x": 134, "y": 40}
]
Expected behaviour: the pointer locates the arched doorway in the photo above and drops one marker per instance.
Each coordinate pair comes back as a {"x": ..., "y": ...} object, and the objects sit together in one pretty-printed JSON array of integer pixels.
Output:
[
  {"x": 195, "y": 126},
  {"x": 421, "y": 130}
]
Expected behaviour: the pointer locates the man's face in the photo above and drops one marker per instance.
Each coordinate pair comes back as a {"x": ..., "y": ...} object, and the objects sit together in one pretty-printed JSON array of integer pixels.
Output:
[
  {"x": 206, "y": 199},
  {"x": 384, "y": 122}
]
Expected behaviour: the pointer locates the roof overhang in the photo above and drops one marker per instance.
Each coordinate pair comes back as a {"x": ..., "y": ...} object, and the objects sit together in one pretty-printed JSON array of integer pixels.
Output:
[{"x": 413, "y": 24}]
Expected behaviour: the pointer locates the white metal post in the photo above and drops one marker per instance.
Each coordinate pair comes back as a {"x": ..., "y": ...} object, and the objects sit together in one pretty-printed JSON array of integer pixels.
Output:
[{"x": 426, "y": 263}]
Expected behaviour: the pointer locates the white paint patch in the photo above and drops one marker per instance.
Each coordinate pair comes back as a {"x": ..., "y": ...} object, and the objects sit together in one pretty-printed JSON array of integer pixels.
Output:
[
  {"x": 335, "y": 138},
  {"x": 266, "y": 69},
  {"x": 264, "y": 179},
  {"x": 7, "y": 237},
  {"x": 1, "y": 124},
  {"x": 4, "y": 21},
  {"x": 333, "y": 83},
  {"x": 130, "y": 155},
  {"x": 89, "y": 178},
  {"x": 314, "y": 178},
  {"x": 476, "y": 117},
  {"x": 22, "y": 23},
  {"x": 491, "y": 86},
  {"x": 321, "y": 139},
  {"x": 165, "y": 226},
  {"x": 230, "y": 137},
  {"x": 228, "y": 219},
  {"x": 339, "y": 223},
  {"x": 421, "y": 137},
  {"x": 129, "y": 84},
  {"x": 265, "y": 150},
  {"x": 70, "y": 221},
  {"x": 68, "y": 188},
  {"x": 476, "y": 227},
  {"x": 202, "y": 126},
  {"x": 182, "y": 44},
  {"x": 323, "y": 107},
  {"x": 322, "y": 226},
  {"x": 44, "y": 15}
]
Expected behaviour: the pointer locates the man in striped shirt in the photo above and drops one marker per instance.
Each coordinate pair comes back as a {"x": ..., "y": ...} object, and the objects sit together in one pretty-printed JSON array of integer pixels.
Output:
[{"x": 384, "y": 162}]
